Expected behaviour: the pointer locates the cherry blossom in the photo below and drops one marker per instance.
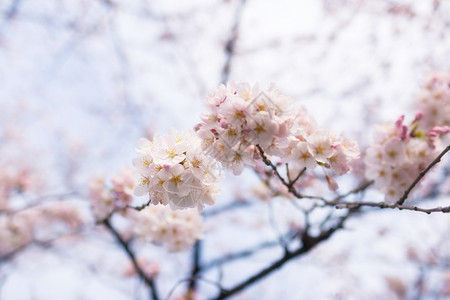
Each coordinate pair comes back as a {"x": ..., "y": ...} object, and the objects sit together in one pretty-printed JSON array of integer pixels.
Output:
[
  {"x": 175, "y": 171},
  {"x": 246, "y": 117},
  {"x": 177, "y": 230},
  {"x": 398, "y": 154},
  {"x": 106, "y": 199},
  {"x": 433, "y": 101}
]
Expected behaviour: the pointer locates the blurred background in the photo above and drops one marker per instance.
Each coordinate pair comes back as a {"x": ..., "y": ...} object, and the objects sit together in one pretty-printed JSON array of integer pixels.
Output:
[{"x": 82, "y": 80}]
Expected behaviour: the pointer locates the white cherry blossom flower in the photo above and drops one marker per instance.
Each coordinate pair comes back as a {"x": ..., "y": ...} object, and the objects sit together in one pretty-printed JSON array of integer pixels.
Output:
[
  {"x": 320, "y": 146},
  {"x": 301, "y": 157},
  {"x": 175, "y": 171},
  {"x": 239, "y": 118}
]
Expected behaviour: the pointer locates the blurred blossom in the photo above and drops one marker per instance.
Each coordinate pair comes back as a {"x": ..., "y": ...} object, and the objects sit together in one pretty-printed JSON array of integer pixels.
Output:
[
  {"x": 105, "y": 199},
  {"x": 433, "y": 101},
  {"x": 150, "y": 268},
  {"x": 398, "y": 155},
  {"x": 177, "y": 230}
]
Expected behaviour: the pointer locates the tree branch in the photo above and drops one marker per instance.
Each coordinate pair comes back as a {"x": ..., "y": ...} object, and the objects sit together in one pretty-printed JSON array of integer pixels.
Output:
[
  {"x": 308, "y": 243},
  {"x": 196, "y": 266},
  {"x": 445, "y": 209},
  {"x": 125, "y": 245},
  {"x": 399, "y": 204},
  {"x": 290, "y": 186},
  {"x": 422, "y": 174}
]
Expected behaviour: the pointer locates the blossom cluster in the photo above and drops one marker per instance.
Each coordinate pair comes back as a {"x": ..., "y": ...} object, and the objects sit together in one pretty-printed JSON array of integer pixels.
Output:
[
  {"x": 240, "y": 117},
  {"x": 398, "y": 155},
  {"x": 433, "y": 101},
  {"x": 18, "y": 180},
  {"x": 15, "y": 232},
  {"x": 24, "y": 221},
  {"x": 176, "y": 229},
  {"x": 150, "y": 268},
  {"x": 175, "y": 171},
  {"x": 20, "y": 228},
  {"x": 106, "y": 199}
]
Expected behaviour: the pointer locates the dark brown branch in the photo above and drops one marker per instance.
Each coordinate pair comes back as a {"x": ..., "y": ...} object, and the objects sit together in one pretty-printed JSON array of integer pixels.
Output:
[
  {"x": 270, "y": 164},
  {"x": 353, "y": 205},
  {"x": 435, "y": 190},
  {"x": 399, "y": 204},
  {"x": 445, "y": 209},
  {"x": 292, "y": 182},
  {"x": 247, "y": 252},
  {"x": 308, "y": 243},
  {"x": 199, "y": 278},
  {"x": 196, "y": 266},
  {"x": 140, "y": 207},
  {"x": 422, "y": 174},
  {"x": 125, "y": 245},
  {"x": 290, "y": 186}
]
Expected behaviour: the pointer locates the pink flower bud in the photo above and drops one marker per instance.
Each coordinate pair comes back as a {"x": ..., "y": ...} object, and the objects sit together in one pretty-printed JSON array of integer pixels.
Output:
[
  {"x": 399, "y": 121},
  {"x": 403, "y": 134},
  {"x": 419, "y": 116},
  {"x": 440, "y": 130},
  {"x": 332, "y": 184}
]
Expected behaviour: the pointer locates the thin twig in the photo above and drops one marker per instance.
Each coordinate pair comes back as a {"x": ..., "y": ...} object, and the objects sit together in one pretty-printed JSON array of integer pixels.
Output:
[
  {"x": 445, "y": 209},
  {"x": 275, "y": 170},
  {"x": 422, "y": 174},
  {"x": 172, "y": 290},
  {"x": 399, "y": 204},
  {"x": 125, "y": 245},
  {"x": 290, "y": 187},
  {"x": 292, "y": 182},
  {"x": 308, "y": 243},
  {"x": 140, "y": 207}
]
